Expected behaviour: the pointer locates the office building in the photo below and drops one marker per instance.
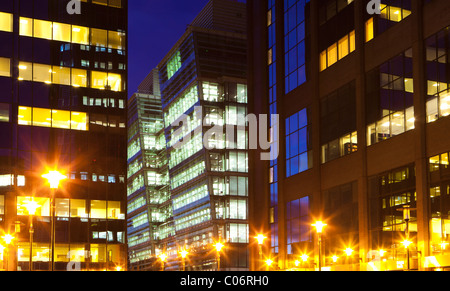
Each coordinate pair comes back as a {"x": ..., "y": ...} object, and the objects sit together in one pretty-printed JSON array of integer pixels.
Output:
[
  {"x": 203, "y": 91},
  {"x": 63, "y": 108},
  {"x": 363, "y": 105},
  {"x": 148, "y": 195}
]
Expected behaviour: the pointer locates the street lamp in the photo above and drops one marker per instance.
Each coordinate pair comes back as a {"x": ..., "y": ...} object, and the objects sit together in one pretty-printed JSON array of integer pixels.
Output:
[
  {"x": 269, "y": 263},
  {"x": 163, "y": 258},
  {"x": 7, "y": 238},
  {"x": 31, "y": 207},
  {"x": 319, "y": 225},
  {"x": 183, "y": 254},
  {"x": 53, "y": 178},
  {"x": 218, "y": 247},
  {"x": 260, "y": 238}
]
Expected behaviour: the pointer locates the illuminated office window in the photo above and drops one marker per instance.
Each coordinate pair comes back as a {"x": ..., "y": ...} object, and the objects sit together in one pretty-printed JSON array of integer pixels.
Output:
[
  {"x": 114, "y": 82},
  {"x": 24, "y": 116},
  {"x": 337, "y": 51},
  {"x": 25, "y": 71},
  {"x": 53, "y": 118},
  {"x": 79, "y": 121},
  {"x": 116, "y": 40},
  {"x": 5, "y": 67},
  {"x": 80, "y": 35},
  {"x": 60, "y": 75},
  {"x": 62, "y": 32},
  {"x": 6, "y": 22},
  {"x": 26, "y": 26},
  {"x": 42, "y": 73},
  {"x": 79, "y": 78},
  {"x": 98, "y": 209},
  {"x": 4, "y": 112},
  {"x": 42, "y": 117},
  {"x": 174, "y": 64},
  {"x": 42, "y": 29},
  {"x": 99, "y": 37},
  {"x": 370, "y": 30},
  {"x": 99, "y": 80},
  {"x": 78, "y": 208},
  {"x": 61, "y": 119}
]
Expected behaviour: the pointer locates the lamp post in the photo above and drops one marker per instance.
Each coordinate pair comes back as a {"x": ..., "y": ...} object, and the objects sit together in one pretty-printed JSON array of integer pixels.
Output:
[
  {"x": 218, "y": 247},
  {"x": 319, "y": 225},
  {"x": 163, "y": 258},
  {"x": 31, "y": 207},
  {"x": 183, "y": 254},
  {"x": 54, "y": 178},
  {"x": 260, "y": 238},
  {"x": 406, "y": 217},
  {"x": 7, "y": 238}
]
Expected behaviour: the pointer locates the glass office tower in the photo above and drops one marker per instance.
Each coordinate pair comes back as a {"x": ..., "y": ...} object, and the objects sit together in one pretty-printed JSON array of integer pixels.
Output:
[
  {"x": 148, "y": 193},
  {"x": 63, "y": 107},
  {"x": 203, "y": 90}
]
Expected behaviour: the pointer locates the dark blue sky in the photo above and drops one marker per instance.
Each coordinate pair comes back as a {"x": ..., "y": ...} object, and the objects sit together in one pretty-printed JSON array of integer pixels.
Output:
[{"x": 154, "y": 26}]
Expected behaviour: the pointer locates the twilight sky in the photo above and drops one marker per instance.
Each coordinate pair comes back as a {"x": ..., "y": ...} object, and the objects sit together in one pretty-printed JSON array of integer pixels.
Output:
[{"x": 154, "y": 26}]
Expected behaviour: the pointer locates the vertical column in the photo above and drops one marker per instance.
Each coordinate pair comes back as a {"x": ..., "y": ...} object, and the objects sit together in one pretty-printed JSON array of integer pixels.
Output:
[
  {"x": 420, "y": 92},
  {"x": 282, "y": 248},
  {"x": 10, "y": 221},
  {"x": 259, "y": 195},
  {"x": 316, "y": 201},
  {"x": 363, "y": 207}
]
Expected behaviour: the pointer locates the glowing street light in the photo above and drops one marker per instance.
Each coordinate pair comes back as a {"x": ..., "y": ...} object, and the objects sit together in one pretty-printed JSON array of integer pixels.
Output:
[
  {"x": 31, "y": 207},
  {"x": 304, "y": 257},
  {"x": 54, "y": 178},
  {"x": 335, "y": 258},
  {"x": 269, "y": 263},
  {"x": 163, "y": 258},
  {"x": 7, "y": 238},
  {"x": 184, "y": 253},
  {"x": 218, "y": 246},
  {"x": 348, "y": 252},
  {"x": 260, "y": 238},
  {"x": 319, "y": 225}
]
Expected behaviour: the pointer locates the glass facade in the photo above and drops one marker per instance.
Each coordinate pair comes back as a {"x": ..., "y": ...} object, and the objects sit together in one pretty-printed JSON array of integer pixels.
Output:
[
  {"x": 204, "y": 97},
  {"x": 58, "y": 109}
]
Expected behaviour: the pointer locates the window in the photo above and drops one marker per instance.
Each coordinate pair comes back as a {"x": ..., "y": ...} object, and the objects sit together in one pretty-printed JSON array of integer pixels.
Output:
[
  {"x": 392, "y": 12},
  {"x": 80, "y": 35},
  {"x": 116, "y": 40},
  {"x": 297, "y": 223},
  {"x": 62, "y": 32},
  {"x": 337, "y": 51},
  {"x": 43, "y": 205},
  {"x": 42, "y": 29},
  {"x": 4, "y": 112},
  {"x": 438, "y": 78},
  {"x": 43, "y": 117},
  {"x": 298, "y": 143},
  {"x": 98, "y": 209},
  {"x": 25, "y": 26},
  {"x": 338, "y": 123},
  {"x": 99, "y": 37},
  {"x": 6, "y": 22},
  {"x": 237, "y": 233},
  {"x": 389, "y": 99},
  {"x": 174, "y": 64},
  {"x": 295, "y": 40},
  {"x": 78, "y": 208},
  {"x": 5, "y": 67}
]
